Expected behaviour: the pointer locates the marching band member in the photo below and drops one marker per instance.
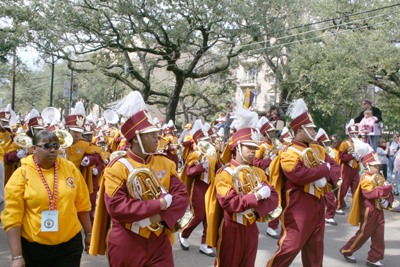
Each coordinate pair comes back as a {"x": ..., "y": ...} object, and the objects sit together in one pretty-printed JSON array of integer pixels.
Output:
[
  {"x": 263, "y": 159},
  {"x": 6, "y": 116},
  {"x": 350, "y": 166},
  {"x": 101, "y": 142},
  {"x": 188, "y": 142},
  {"x": 231, "y": 215},
  {"x": 367, "y": 211},
  {"x": 129, "y": 240},
  {"x": 301, "y": 188},
  {"x": 323, "y": 140},
  {"x": 197, "y": 174},
  {"x": 172, "y": 142},
  {"x": 16, "y": 153},
  {"x": 286, "y": 137}
]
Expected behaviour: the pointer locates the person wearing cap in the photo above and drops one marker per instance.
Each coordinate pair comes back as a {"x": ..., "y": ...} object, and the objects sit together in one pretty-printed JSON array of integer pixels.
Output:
[
  {"x": 197, "y": 174},
  {"x": 350, "y": 166},
  {"x": 171, "y": 142},
  {"x": 323, "y": 140},
  {"x": 16, "y": 153},
  {"x": 301, "y": 188},
  {"x": 263, "y": 159},
  {"x": 187, "y": 143},
  {"x": 7, "y": 136},
  {"x": 122, "y": 218},
  {"x": 285, "y": 137},
  {"x": 232, "y": 227},
  {"x": 367, "y": 211},
  {"x": 367, "y": 105}
]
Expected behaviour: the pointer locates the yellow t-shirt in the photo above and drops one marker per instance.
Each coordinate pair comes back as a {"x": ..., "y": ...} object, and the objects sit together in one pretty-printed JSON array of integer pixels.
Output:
[{"x": 26, "y": 197}]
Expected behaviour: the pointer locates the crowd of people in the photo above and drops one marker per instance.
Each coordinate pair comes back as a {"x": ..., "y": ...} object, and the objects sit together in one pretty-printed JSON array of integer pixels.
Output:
[{"x": 122, "y": 185}]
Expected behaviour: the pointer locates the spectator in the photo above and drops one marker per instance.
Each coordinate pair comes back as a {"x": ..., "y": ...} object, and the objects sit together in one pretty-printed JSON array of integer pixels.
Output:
[
  {"x": 393, "y": 148},
  {"x": 281, "y": 114},
  {"x": 229, "y": 110},
  {"x": 382, "y": 151},
  {"x": 274, "y": 117},
  {"x": 334, "y": 138},
  {"x": 367, "y": 104},
  {"x": 221, "y": 121},
  {"x": 2, "y": 200},
  {"x": 396, "y": 170}
]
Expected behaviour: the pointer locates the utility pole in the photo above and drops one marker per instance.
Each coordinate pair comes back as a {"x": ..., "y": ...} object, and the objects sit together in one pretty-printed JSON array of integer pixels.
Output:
[
  {"x": 51, "y": 81},
  {"x": 115, "y": 97},
  {"x": 13, "y": 78},
  {"x": 70, "y": 91}
]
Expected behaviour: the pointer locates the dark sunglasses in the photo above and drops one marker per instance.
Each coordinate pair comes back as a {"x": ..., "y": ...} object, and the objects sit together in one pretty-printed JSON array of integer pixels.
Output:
[{"x": 48, "y": 146}]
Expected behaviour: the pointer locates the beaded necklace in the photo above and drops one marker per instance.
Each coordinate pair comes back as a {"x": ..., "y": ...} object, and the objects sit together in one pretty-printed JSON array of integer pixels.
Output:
[{"x": 53, "y": 205}]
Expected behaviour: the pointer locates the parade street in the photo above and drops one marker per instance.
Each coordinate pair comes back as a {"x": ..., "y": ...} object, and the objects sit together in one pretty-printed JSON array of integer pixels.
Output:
[{"x": 335, "y": 237}]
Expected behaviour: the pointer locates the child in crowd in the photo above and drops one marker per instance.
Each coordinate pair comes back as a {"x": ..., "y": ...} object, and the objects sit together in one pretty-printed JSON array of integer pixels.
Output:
[{"x": 366, "y": 125}]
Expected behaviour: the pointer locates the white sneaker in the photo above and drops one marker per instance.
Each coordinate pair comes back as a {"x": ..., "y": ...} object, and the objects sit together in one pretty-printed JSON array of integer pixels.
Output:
[
  {"x": 330, "y": 221},
  {"x": 272, "y": 233},
  {"x": 374, "y": 264},
  {"x": 184, "y": 242},
  {"x": 340, "y": 212},
  {"x": 204, "y": 249}
]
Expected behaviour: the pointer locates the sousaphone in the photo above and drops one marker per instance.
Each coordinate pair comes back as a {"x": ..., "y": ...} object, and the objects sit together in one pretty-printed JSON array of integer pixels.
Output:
[{"x": 64, "y": 137}]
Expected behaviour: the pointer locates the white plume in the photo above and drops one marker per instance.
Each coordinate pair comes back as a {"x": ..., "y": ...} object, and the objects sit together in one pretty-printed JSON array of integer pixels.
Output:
[
  {"x": 297, "y": 108},
  {"x": 164, "y": 127},
  {"x": 233, "y": 125},
  {"x": 197, "y": 125},
  {"x": 320, "y": 133},
  {"x": 8, "y": 108},
  {"x": 100, "y": 134},
  {"x": 207, "y": 127},
  {"x": 55, "y": 121},
  {"x": 351, "y": 123},
  {"x": 33, "y": 114},
  {"x": 156, "y": 121},
  {"x": 286, "y": 130},
  {"x": 244, "y": 118},
  {"x": 170, "y": 124},
  {"x": 18, "y": 118},
  {"x": 123, "y": 120},
  {"x": 221, "y": 132},
  {"x": 263, "y": 120},
  {"x": 130, "y": 104},
  {"x": 361, "y": 148},
  {"x": 79, "y": 109},
  {"x": 91, "y": 118},
  {"x": 20, "y": 130}
]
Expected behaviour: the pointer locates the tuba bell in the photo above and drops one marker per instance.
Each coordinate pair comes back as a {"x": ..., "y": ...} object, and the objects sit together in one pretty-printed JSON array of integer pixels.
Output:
[
  {"x": 206, "y": 149},
  {"x": 250, "y": 185},
  {"x": 64, "y": 137},
  {"x": 377, "y": 181},
  {"x": 117, "y": 153},
  {"x": 152, "y": 190},
  {"x": 23, "y": 141},
  {"x": 276, "y": 146}
]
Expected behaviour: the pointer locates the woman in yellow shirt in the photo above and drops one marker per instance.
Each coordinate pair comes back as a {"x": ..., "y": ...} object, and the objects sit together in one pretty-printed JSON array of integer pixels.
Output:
[{"x": 47, "y": 203}]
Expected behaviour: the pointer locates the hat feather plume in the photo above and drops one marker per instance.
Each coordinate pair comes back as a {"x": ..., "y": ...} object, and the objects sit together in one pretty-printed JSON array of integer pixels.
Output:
[
  {"x": 244, "y": 118},
  {"x": 130, "y": 104},
  {"x": 361, "y": 148},
  {"x": 297, "y": 108}
]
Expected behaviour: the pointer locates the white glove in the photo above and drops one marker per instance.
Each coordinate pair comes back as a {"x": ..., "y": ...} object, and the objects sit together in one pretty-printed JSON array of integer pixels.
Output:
[
  {"x": 168, "y": 198},
  {"x": 328, "y": 165},
  {"x": 63, "y": 153},
  {"x": 106, "y": 161},
  {"x": 273, "y": 157},
  {"x": 21, "y": 154},
  {"x": 356, "y": 156},
  {"x": 85, "y": 161},
  {"x": 264, "y": 191},
  {"x": 95, "y": 172},
  {"x": 246, "y": 212},
  {"x": 143, "y": 223},
  {"x": 320, "y": 183},
  {"x": 205, "y": 164},
  {"x": 385, "y": 204}
]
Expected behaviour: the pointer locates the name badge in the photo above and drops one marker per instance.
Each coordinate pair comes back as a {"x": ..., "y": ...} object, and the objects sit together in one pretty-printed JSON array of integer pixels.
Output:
[{"x": 49, "y": 221}]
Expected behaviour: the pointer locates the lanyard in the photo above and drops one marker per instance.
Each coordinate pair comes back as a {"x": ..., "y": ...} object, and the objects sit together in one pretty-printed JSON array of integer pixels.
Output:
[{"x": 53, "y": 204}]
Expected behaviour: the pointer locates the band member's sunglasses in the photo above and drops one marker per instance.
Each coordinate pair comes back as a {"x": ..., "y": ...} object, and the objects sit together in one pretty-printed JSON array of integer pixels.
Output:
[{"x": 49, "y": 146}]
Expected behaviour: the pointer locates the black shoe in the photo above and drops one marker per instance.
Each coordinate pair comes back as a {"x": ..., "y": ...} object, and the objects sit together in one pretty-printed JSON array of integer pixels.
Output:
[
  {"x": 348, "y": 258},
  {"x": 345, "y": 208}
]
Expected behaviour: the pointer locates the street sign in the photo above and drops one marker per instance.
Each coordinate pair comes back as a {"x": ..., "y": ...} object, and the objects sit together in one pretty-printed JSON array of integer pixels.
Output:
[
  {"x": 1, "y": 102},
  {"x": 75, "y": 93},
  {"x": 67, "y": 87},
  {"x": 75, "y": 90}
]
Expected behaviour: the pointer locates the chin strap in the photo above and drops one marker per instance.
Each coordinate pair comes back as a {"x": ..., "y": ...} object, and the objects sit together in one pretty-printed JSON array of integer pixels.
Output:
[
  {"x": 33, "y": 133},
  {"x": 240, "y": 153},
  {"x": 304, "y": 128},
  {"x": 141, "y": 145},
  {"x": 368, "y": 167}
]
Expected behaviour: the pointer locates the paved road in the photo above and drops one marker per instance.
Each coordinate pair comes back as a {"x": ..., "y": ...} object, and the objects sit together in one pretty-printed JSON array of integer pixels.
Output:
[{"x": 335, "y": 237}]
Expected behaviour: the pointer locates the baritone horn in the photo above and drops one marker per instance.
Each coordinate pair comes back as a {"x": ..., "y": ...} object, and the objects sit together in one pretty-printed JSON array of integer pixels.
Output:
[
  {"x": 151, "y": 189},
  {"x": 64, "y": 137},
  {"x": 276, "y": 146},
  {"x": 117, "y": 153},
  {"x": 250, "y": 185},
  {"x": 206, "y": 149},
  {"x": 377, "y": 181}
]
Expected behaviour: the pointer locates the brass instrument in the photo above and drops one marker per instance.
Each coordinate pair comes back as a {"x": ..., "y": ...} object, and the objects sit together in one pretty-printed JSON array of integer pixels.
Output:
[
  {"x": 276, "y": 146},
  {"x": 377, "y": 181},
  {"x": 104, "y": 148},
  {"x": 350, "y": 150},
  {"x": 311, "y": 160},
  {"x": 206, "y": 149},
  {"x": 1, "y": 141},
  {"x": 152, "y": 190},
  {"x": 117, "y": 153},
  {"x": 250, "y": 185},
  {"x": 113, "y": 131},
  {"x": 64, "y": 137},
  {"x": 23, "y": 141},
  {"x": 329, "y": 151}
]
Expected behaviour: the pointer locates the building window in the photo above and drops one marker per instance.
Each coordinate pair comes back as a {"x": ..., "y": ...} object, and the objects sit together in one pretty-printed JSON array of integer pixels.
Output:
[{"x": 251, "y": 75}]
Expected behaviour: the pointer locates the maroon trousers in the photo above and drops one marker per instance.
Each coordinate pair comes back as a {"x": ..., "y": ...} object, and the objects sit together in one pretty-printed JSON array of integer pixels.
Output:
[
  {"x": 237, "y": 244},
  {"x": 303, "y": 227},
  {"x": 93, "y": 197},
  {"x": 126, "y": 249},
  {"x": 351, "y": 178},
  {"x": 198, "y": 207},
  {"x": 330, "y": 205},
  {"x": 372, "y": 225},
  {"x": 274, "y": 223}
]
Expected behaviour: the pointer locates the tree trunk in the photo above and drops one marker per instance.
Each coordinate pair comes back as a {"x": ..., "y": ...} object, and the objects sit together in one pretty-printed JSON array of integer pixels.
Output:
[{"x": 174, "y": 99}]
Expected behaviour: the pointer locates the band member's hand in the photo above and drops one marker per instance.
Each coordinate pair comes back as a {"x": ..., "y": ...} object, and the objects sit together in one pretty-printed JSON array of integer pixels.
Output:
[
  {"x": 168, "y": 199},
  {"x": 321, "y": 182},
  {"x": 273, "y": 157},
  {"x": 106, "y": 161},
  {"x": 18, "y": 263},
  {"x": 87, "y": 243},
  {"x": 356, "y": 156},
  {"x": 63, "y": 153},
  {"x": 21, "y": 154},
  {"x": 205, "y": 164},
  {"x": 143, "y": 223},
  {"x": 85, "y": 161},
  {"x": 385, "y": 204},
  {"x": 264, "y": 191},
  {"x": 95, "y": 171}
]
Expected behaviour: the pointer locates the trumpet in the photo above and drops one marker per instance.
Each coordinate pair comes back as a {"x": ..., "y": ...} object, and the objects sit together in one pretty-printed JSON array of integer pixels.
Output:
[
  {"x": 206, "y": 149},
  {"x": 152, "y": 189},
  {"x": 276, "y": 146},
  {"x": 377, "y": 181},
  {"x": 64, "y": 137},
  {"x": 250, "y": 185}
]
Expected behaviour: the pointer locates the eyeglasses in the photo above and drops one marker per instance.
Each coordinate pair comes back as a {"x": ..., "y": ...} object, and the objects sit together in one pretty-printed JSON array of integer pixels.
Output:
[{"x": 49, "y": 146}]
